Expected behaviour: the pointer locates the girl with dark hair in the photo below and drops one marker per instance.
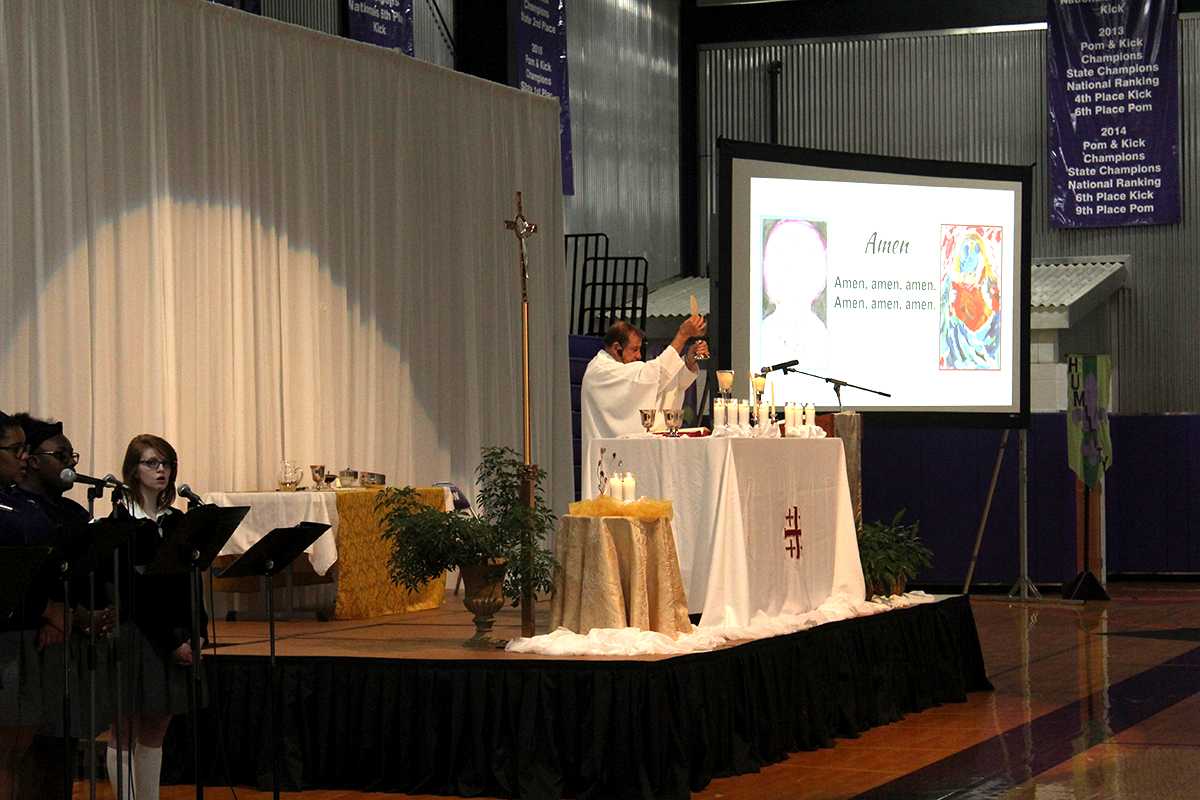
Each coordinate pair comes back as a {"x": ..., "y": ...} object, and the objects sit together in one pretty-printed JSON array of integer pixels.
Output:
[
  {"x": 161, "y": 642},
  {"x": 30, "y": 668}
]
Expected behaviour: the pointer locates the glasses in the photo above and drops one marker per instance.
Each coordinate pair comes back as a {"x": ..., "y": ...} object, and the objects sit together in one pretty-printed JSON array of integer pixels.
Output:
[
  {"x": 153, "y": 464},
  {"x": 17, "y": 450},
  {"x": 68, "y": 457}
]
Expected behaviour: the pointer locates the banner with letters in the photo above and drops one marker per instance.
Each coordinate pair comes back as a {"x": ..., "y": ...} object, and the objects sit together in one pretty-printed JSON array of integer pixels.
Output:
[
  {"x": 1113, "y": 95},
  {"x": 538, "y": 64},
  {"x": 387, "y": 23}
]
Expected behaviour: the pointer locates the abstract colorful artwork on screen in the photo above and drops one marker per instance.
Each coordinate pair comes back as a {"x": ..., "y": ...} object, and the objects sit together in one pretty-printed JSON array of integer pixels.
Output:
[{"x": 969, "y": 337}]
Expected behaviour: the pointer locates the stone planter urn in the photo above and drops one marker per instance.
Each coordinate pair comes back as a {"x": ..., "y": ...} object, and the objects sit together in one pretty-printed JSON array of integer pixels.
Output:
[{"x": 483, "y": 597}]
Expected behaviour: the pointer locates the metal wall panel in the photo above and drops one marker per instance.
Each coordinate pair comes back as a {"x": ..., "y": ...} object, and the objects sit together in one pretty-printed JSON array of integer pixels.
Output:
[
  {"x": 430, "y": 42},
  {"x": 623, "y": 62},
  {"x": 974, "y": 96},
  {"x": 319, "y": 15}
]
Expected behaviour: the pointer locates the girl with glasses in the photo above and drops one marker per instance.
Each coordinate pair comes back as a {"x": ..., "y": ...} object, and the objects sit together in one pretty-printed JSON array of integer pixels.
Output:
[
  {"x": 31, "y": 635},
  {"x": 161, "y": 643}
]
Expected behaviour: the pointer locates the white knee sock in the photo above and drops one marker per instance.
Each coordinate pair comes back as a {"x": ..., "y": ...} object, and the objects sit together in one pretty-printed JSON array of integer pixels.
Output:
[
  {"x": 110, "y": 763},
  {"x": 147, "y": 765}
]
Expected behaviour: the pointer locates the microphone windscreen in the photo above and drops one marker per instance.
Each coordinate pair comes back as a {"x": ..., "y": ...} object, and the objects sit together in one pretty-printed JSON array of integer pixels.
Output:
[{"x": 67, "y": 475}]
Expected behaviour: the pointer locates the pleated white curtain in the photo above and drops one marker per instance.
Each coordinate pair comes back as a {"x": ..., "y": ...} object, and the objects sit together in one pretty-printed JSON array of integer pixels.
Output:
[{"x": 263, "y": 243}]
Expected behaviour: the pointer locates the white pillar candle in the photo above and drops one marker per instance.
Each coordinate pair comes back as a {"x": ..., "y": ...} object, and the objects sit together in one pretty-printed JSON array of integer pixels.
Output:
[
  {"x": 810, "y": 415},
  {"x": 718, "y": 412},
  {"x": 789, "y": 418},
  {"x": 744, "y": 413},
  {"x": 630, "y": 487}
]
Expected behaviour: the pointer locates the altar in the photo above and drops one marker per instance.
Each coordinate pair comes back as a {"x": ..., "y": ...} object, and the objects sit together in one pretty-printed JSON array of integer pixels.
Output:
[
  {"x": 762, "y": 526},
  {"x": 352, "y": 543}
]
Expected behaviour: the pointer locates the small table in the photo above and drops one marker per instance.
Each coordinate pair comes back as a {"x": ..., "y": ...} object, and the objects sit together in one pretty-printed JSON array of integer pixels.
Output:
[
  {"x": 354, "y": 543},
  {"x": 618, "y": 572}
]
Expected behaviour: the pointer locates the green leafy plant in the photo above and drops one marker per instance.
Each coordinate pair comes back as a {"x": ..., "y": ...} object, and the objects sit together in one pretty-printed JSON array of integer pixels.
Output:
[
  {"x": 426, "y": 541},
  {"x": 892, "y": 554}
]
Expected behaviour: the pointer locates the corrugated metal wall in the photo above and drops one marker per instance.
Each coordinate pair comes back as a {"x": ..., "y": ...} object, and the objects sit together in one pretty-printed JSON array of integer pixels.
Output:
[
  {"x": 320, "y": 15},
  {"x": 429, "y": 39},
  {"x": 623, "y": 62},
  {"x": 977, "y": 96}
]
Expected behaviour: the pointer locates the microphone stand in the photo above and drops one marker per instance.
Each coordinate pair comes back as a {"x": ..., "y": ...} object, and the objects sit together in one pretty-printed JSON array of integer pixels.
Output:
[
  {"x": 94, "y": 493},
  {"x": 65, "y": 575},
  {"x": 837, "y": 384}
]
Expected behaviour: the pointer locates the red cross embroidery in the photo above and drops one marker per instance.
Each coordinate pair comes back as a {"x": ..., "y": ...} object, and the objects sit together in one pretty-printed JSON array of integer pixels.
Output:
[{"x": 792, "y": 533}]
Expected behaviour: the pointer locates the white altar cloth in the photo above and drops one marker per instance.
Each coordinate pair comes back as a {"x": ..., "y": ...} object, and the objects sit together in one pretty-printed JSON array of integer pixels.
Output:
[{"x": 762, "y": 526}]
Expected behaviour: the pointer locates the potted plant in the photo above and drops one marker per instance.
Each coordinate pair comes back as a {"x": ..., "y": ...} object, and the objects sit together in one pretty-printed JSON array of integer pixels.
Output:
[
  {"x": 891, "y": 553},
  {"x": 484, "y": 547}
]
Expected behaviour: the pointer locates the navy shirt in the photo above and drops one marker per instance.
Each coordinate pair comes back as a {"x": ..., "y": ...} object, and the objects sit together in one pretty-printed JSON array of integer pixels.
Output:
[{"x": 27, "y": 524}]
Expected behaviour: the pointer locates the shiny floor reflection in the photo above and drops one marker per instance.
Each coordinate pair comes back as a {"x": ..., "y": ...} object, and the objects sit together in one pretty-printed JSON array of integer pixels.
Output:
[{"x": 1097, "y": 701}]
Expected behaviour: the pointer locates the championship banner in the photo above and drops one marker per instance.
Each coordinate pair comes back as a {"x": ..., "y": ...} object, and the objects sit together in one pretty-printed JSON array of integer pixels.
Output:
[
  {"x": 1113, "y": 93},
  {"x": 387, "y": 23},
  {"x": 538, "y": 64},
  {"x": 1089, "y": 448},
  {"x": 249, "y": 6}
]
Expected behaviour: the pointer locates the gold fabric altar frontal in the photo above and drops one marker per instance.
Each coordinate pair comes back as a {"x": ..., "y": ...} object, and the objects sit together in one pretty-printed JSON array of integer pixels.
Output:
[
  {"x": 618, "y": 572},
  {"x": 363, "y": 586}
]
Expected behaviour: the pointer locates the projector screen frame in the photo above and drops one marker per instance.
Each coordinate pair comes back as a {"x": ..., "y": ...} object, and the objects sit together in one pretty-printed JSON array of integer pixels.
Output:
[{"x": 730, "y": 149}]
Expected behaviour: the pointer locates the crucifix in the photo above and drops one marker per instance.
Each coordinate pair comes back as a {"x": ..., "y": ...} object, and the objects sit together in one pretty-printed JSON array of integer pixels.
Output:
[{"x": 522, "y": 228}]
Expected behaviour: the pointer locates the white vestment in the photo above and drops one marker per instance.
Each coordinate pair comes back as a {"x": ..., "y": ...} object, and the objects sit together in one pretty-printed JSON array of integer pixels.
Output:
[{"x": 612, "y": 394}]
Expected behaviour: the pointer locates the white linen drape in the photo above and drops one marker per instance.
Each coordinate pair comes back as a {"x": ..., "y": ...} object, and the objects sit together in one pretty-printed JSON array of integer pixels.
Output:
[{"x": 262, "y": 242}]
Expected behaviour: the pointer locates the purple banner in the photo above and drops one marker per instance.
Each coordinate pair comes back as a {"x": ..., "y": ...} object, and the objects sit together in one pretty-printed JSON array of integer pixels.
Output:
[
  {"x": 538, "y": 64},
  {"x": 1114, "y": 113},
  {"x": 387, "y": 23}
]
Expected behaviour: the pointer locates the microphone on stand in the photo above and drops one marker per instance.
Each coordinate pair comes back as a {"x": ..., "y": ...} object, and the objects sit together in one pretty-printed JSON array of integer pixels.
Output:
[
  {"x": 777, "y": 367},
  {"x": 188, "y": 494},
  {"x": 109, "y": 481}
]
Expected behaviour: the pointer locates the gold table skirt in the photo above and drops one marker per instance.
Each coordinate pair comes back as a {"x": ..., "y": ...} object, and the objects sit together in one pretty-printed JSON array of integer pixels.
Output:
[
  {"x": 364, "y": 588},
  {"x": 618, "y": 572}
]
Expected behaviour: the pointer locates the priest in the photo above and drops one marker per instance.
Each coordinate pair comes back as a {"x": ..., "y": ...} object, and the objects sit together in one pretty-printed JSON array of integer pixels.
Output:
[{"x": 617, "y": 383}]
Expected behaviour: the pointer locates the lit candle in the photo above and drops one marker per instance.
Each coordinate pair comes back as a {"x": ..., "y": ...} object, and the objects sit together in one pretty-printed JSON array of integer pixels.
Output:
[
  {"x": 630, "y": 488},
  {"x": 744, "y": 413},
  {"x": 772, "y": 398}
]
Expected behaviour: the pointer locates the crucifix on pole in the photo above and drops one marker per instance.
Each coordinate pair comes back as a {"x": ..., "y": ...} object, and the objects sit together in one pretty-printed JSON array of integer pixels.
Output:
[{"x": 522, "y": 228}]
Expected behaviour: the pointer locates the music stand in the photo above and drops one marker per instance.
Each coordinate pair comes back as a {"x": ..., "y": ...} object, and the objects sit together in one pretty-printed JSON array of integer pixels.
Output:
[
  {"x": 189, "y": 549},
  {"x": 77, "y": 555},
  {"x": 266, "y": 558}
]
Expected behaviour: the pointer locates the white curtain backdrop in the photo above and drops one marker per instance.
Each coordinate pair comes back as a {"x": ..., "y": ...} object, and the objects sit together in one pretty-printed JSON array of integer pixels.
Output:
[{"x": 262, "y": 242}]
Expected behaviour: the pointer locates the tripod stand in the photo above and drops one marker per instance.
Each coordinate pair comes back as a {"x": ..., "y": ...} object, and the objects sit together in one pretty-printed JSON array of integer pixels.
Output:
[{"x": 266, "y": 558}]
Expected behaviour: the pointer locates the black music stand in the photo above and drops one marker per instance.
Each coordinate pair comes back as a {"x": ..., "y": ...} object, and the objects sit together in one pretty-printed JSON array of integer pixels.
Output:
[
  {"x": 189, "y": 549},
  {"x": 104, "y": 539},
  {"x": 266, "y": 558},
  {"x": 79, "y": 555}
]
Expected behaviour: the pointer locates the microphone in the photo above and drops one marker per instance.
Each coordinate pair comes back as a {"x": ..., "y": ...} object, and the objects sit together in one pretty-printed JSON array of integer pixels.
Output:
[
  {"x": 110, "y": 481},
  {"x": 784, "y": 365},
  {"x": 186, "y": 492}
]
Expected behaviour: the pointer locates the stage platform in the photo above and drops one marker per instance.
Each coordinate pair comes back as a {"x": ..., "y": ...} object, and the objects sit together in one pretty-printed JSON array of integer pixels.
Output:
[{"x": 397, "y": 704}]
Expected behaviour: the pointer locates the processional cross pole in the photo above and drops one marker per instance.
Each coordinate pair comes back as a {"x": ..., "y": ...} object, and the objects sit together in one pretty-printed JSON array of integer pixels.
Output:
[{"x": 522, "y": 228}]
